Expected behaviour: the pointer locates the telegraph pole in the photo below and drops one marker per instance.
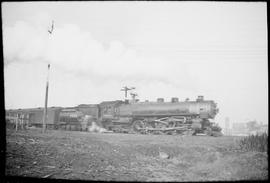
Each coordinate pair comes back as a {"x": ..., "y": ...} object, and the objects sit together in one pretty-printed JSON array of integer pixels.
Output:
[
  {"x": 46, "y": 101},
  {"x": 47, "y": 90},
  {"x": 126, "y": 89}
]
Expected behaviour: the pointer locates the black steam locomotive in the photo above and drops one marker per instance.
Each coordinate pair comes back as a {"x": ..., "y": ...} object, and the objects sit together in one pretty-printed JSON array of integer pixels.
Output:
[
  {"x": 161, "y": 117},
  {"x": 184, "y": 117}
]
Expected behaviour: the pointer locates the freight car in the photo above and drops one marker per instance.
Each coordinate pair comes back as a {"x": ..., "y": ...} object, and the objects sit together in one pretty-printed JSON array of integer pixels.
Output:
[
  {"x": 34, "y": 116},
  {"x": 68, "y": 118}
]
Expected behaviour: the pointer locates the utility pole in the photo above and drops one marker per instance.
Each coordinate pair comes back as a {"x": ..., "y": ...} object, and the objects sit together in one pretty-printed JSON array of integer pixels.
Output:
[
  {"x": 47, "y": 90},
  {"x": 46, "y": 102},
  {"x": 126, "y": 89}
]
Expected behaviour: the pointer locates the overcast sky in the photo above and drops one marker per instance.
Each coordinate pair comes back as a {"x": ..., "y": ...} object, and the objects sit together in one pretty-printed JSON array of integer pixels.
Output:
[{"x": 164, "y": 49}]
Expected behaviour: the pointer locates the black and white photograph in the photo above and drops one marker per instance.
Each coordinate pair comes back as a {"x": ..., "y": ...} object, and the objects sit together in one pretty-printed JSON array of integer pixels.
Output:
[{"x": 147, "y": 91}]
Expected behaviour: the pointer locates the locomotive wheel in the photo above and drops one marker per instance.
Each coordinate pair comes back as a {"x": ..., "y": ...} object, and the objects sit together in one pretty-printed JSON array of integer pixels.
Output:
[{"x": 138, "y": 126}]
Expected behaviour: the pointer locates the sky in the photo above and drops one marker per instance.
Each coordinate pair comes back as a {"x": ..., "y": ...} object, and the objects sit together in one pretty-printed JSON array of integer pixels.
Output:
[{"x": 164, "y": 49}]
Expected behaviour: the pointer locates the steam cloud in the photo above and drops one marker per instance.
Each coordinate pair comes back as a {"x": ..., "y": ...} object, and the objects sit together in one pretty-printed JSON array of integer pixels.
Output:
[
  {"x": 76, "y": 51},
  {"x": 83, "y": 68}
]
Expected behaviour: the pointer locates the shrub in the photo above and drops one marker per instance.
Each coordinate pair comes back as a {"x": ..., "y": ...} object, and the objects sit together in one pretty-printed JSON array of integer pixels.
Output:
[{"x": 258, "y": 142}]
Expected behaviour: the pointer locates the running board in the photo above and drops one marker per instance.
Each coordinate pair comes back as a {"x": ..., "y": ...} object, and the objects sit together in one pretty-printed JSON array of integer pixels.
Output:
[{"x": 164, "y": 129}]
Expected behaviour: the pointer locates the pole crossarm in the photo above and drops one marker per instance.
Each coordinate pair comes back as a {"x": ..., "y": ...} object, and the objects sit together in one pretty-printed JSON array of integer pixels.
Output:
[{"x": 126, "y": 89}]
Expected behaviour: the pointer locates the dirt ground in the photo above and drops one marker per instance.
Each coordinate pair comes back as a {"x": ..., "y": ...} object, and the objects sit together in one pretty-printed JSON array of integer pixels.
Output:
[{"x": 130, "y": 157}]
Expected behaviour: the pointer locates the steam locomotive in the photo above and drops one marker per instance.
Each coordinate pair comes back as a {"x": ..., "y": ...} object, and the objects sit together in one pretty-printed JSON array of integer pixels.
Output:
[
  {"x": 161, "y": 117},
  {"x": 184, "y": 117}
]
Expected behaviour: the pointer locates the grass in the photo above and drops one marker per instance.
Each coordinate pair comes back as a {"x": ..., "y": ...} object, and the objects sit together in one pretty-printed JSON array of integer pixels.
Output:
[
  {"x": 130, "y": 157},
  {"x": 258, "y": 142}
]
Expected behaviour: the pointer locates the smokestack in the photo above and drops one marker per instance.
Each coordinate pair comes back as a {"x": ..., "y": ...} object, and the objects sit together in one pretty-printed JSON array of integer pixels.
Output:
[
  {"x": 174, "y": 100},
  {"x": 200, "y": 98}
]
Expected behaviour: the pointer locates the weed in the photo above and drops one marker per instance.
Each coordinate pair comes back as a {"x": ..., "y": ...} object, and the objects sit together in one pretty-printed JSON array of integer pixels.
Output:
[{"x": 258, "y": 142}]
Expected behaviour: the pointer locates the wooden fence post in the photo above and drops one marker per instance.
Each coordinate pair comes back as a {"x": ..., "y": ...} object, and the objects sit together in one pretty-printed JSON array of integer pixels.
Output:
[
  {"x": 27, "y": 121},
  {"x": 17, "y": 120}
]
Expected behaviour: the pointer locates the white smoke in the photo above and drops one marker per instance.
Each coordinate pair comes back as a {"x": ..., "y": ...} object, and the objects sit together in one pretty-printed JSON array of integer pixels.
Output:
[
  {"x": 75, "y": 50},
  {"x": 82, "y": 68}
]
